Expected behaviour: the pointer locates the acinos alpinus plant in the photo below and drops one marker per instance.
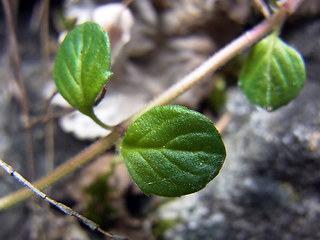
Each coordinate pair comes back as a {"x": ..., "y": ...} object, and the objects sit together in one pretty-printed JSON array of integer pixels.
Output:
[{"x": 169, "y": 150}]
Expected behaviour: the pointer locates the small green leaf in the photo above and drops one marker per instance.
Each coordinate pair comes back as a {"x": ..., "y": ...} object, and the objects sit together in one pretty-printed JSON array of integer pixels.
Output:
[
  {"x": 273, "y": 74},
  {"x": 273, "y": 2},
  {"x": 172, "y": 151},
  {"x": 82, "y": 66}
]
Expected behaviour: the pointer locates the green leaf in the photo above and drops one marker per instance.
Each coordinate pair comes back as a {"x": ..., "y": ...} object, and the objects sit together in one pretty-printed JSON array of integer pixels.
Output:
[
  {"x": 172, "y": 151},
  {"x": 82, "y": 66},
  {"x": 273, "y": 74},
  {"x": 273, "y": 2}
]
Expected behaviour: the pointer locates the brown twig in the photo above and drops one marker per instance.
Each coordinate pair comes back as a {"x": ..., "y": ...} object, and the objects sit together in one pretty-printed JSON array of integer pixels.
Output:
[
  {"x": 223, "y": 122},
  {"x": 47, "y": 115},
  {"x": 291, "y": 5},
  {"x": 23, "y": 98},
  {"x": 262, "y": 7}
]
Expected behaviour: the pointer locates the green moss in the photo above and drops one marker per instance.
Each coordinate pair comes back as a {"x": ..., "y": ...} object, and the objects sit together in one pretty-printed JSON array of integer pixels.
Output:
[
  {"x": 99, "y": 208},
  {"x": 160, "y": 226},
  {"x": 218, "y": 96}
]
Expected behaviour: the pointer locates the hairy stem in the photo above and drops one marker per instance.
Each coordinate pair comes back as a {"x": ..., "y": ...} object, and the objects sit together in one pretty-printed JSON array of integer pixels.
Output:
[
  {"x": 98, "y": 121},
  {"x": 213, "y": 63}
]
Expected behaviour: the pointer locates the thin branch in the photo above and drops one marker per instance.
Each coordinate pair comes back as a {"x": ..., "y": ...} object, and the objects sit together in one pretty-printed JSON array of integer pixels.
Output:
[
  {"x": 291, "y": 5},
  {"x": 44, "y": 32},
  {"x": 44, "y": 118},
  {"x": 23, "y": 98},
  {"x": 223, "y": 122},
  {"x": 263, "y": 8},
  {"x": 47, "y": 115},
  {"x": 67, "y": 210}
]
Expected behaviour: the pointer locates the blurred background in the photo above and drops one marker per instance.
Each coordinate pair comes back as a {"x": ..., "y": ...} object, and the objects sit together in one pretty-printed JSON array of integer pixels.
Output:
[{"x": 269, "y": 185}]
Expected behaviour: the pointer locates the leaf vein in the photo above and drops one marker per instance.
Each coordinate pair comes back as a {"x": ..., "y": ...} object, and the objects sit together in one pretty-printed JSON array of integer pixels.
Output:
[
  {"x": 70, "y": 73},
  {"x": 154, "y": 129},
  {"x": 154, "y": 170},
  {"x": 283, "y": 76},
  {"x": 179, "y": 165},
  {"x": 186, "y": 134},
  {"x": 291, "y": 62}
]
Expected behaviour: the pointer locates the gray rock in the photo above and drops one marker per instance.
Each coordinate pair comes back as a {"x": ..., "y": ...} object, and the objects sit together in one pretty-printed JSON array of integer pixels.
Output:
[{"x": 268, "y": 187}]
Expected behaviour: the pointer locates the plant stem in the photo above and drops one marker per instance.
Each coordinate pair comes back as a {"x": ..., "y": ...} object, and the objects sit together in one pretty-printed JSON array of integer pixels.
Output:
[
  {"x": 213, "y": 63},
  {"x": 97, "y": 121}
]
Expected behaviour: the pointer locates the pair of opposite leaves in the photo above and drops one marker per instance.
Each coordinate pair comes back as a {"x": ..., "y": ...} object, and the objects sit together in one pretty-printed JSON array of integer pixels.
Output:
[{"x": 170, "y": 150}]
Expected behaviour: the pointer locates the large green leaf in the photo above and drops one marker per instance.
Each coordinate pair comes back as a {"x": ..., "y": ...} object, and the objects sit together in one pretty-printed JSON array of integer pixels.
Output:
[
  {"x": 273, "y": 74},
  {"x": 172, "y": 151},
  {"x": 82, "y": 66}
]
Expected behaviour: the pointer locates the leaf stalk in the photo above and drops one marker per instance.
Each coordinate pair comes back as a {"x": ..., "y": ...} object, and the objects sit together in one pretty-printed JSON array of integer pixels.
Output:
[{"x": 99, "y": 122}]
